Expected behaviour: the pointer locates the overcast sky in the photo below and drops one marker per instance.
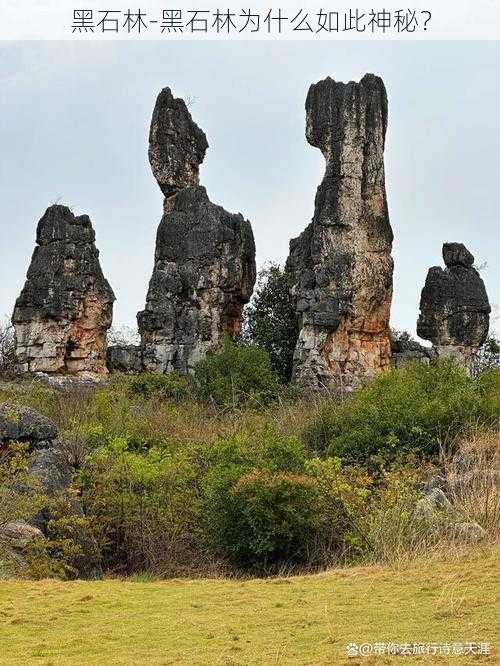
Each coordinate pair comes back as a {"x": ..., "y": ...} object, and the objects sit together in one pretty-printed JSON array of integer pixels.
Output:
[{"x": 74, "y": 121}]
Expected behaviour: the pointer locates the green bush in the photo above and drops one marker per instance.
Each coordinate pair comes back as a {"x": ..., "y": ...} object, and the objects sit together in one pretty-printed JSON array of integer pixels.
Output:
[
  {"x": 171, "y": 387},
  {"x": 415, "y": 408},
  {"x": 143, "y": 506},
  {"x": 258, "y": 505},
  {"x": 68, "y": 550},
  {"x": 239, "y": 374},
  {"x": 270, "y": 517},
  {"x": 266, "y": 504}
]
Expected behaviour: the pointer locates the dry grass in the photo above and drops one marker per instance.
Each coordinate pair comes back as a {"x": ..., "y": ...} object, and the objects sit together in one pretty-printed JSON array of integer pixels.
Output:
[
  {"x": 473, "y": 474},
  {"x": 182, "y": 423}
]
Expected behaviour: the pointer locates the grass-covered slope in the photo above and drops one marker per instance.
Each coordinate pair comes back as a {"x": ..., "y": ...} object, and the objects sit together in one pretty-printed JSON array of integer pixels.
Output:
[{"x": 300, "y": 620}]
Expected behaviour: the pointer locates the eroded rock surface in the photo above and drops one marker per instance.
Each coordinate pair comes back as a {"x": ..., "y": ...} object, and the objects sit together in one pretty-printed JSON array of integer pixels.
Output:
[
  {"x": 204, "y": 268},
  {"x": 341, "y": 263},
  {"x": 177, "y": 145},
  {"x": 124, "y": 358},
  {"x": 66, "y": 305},
  {"x": 404, "y": 351},
  {"x": 454, "y": 306}
]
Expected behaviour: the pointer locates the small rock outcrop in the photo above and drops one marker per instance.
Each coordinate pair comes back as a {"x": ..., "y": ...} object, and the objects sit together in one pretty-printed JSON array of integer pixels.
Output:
[
  {"x": 341, "y": 264},
  {"x": 204, "y": 268},
  {"x": 124, "y": 358},
  {"x": 49, "y": 464},
  {"x": 454, "y": 306},
  {"x": 405, "y": 351},
  {"x": 66, "y": 305}
]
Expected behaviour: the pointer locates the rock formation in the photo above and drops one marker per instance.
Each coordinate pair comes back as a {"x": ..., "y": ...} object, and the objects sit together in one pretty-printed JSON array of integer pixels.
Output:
[
  {"x": 454, "y": 306},
  {"x": 204, "y": 268},
  {"x": 66, "y": 305},
  {"x": 124, "y": 358},
  {"x": 341, "y": 264},
  {"x": 404, "y": 351}
]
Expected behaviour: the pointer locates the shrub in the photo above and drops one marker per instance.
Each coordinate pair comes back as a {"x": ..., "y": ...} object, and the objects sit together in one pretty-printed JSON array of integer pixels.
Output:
[
  {"x": 343, "y": 496},
  {"x": 7, "y": 349},
  {"x": 266, "y": 505},
  {"x": 270, "y": 517},
  {"x": 258, "y": 504},
  {"x": 239, "y": 374},
  {"x": 271, "y": 322},
  {"x": 416, "y": 408},
  {"x": 143, "y": 508},
  {"x": 20, "y": 494},
  {"x": 171, "y": 387},
  {"x": 259, "y": 518},
  {"x": 69, "y": 550}
]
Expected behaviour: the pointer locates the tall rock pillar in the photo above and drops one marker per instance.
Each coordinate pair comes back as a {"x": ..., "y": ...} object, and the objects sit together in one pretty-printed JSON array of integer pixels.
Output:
[
  {"x": 341, "y": 264},
  {"x": 66, "y": 305},
  {"x": 204, "y": 269}
]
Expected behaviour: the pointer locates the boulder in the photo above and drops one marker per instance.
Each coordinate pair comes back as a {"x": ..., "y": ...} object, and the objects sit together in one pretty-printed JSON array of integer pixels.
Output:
[
  {"x": 124, "y": 358},
  {"x": 24, "y": 424},
  {"x": 469, "y": 532}
]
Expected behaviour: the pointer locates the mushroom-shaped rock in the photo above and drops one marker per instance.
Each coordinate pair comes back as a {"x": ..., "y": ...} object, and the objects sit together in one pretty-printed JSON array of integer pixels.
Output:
[{"x": 454, "y": 306}]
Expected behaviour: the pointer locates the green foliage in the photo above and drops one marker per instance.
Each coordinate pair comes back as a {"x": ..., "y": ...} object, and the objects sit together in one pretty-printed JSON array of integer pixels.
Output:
[
  {"x": 171, "y": 387},
  {"x": 20, "y": 495},
  {"x": 272, "y": 518},
  {"x": 259, "y": 507},
  {"x": 416, "y": 408},
  {"x": 343, "y": 497},
  {"x": 142, "y": 506},
  {"x": 69, "y": 550},
  {"x": 390, "y": 524},
  {"x": 173, "y": 487},
  {"x": 265, "y": 504},
  {"x": 487, "y": 357},
  {"x": 271, "y": 322},
  {"x": 238, "y": 375}
]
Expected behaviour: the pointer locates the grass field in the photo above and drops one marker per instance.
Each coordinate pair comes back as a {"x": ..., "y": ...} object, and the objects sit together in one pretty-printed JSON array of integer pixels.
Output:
[{"x": 299, "y": 620}]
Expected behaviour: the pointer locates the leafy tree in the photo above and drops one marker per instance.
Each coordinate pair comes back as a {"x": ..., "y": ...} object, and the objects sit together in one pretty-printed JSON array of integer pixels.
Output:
[
  {"x": 487, "y": 357},
  {"x": 271, "y": 322},
  {"x": 239, "y": 374}
]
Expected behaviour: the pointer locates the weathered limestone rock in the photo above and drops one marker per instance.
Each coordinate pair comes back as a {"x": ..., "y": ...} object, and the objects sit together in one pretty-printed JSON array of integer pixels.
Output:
[
  {"x": 177, "y": 145},
  {"x": 404, "y": 351},
  {"x": 204, "y": 268},
  {"x": 124, "y": 358},
  {"x": 454, "y": 306},
  {"x": 49, "y": 465},
  {"x": 341, "y": 263},
  {"x": 66, "y": 305}
]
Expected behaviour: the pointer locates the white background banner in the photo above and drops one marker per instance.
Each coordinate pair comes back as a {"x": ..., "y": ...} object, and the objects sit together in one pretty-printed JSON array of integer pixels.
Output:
[{"x": 249, "y": 20}]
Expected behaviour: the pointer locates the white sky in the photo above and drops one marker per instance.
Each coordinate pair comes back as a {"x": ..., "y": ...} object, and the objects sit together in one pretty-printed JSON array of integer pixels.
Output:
[{"x": 75, "y": 120}]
